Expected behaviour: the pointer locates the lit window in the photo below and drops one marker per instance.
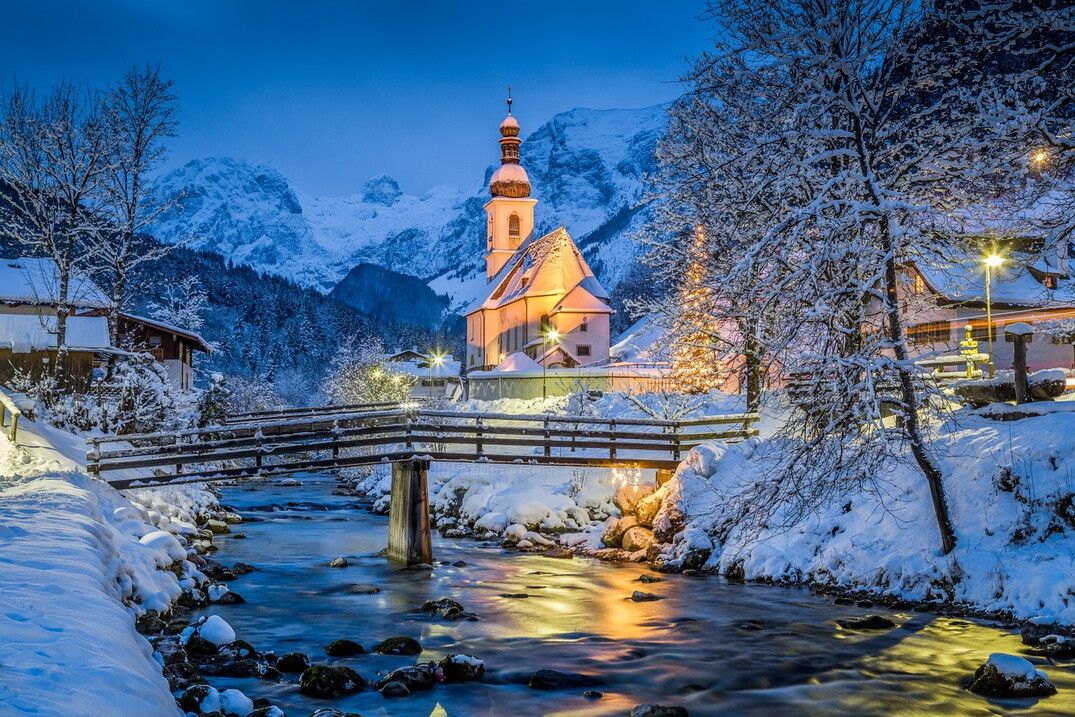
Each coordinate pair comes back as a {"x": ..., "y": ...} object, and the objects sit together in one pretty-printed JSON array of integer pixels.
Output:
[
  {"x": 919, "y": 283},
  {"x": 513, "y": 226}
]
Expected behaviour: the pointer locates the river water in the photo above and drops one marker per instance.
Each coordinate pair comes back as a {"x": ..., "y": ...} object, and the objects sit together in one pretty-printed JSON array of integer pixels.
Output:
[{"x": 689, "y": 648}]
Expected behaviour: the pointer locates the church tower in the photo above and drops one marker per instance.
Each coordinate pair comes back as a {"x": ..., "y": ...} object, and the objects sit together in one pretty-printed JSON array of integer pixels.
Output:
[{"x": 510, "y": 212}]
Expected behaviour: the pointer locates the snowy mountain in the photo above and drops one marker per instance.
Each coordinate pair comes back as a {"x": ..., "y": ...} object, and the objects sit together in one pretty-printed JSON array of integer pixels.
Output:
[{"x": 587, "y": 168}]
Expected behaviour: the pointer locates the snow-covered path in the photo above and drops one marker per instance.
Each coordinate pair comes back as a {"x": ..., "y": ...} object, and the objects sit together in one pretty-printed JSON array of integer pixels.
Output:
[{"x": 72, "y": 550}]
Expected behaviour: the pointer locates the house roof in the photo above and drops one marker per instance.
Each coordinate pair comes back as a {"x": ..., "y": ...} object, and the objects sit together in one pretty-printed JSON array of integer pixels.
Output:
[
  {"x": 448, "y": 369},
  {"x": 550, "y": 265},
  {"x": 1013, "y": 284},
  {"x": 645, "y": 341},
  {"x": 199, "y": 343},
  {"x": 35, "y": 280},
  {"x": 23, "y": 333}
]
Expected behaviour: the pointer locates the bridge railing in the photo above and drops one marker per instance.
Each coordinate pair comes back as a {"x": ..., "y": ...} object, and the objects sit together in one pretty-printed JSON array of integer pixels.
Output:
[{"x": 337, "y": 441}]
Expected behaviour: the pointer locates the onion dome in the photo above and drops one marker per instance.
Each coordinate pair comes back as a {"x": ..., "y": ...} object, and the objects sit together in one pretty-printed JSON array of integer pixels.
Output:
[{"x": 510, "y": 179}]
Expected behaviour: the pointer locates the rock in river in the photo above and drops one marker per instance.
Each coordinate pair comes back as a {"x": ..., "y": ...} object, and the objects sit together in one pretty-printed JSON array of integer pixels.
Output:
[
  {"x": 330, "y": 681},
  {"x": 399, "y": 645},
  {"x": 556, "y": 680},
  {"x": 1010, "y": 676},
  {"x": 462, "y": 668},
  {"x": 413, "y": 677},
  {"x": 293, "y": 662},
  {"x": 344, "y": 648},
  {"x": 638, "y": 538},
  {"x": 362, "y": 589},
  {"x": 639, "y": 596},
  {"x": 652, "y": 710},
  {"x": 338, "y": 563},
  {"x": 869, "y": 622},
  {"x": 447, "y": 609}
]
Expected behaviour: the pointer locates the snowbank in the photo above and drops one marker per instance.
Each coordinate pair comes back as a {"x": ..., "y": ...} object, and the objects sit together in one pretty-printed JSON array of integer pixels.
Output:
[
  {"x": 80, "y": 562},
  {"x": 1012, "y": 500}
]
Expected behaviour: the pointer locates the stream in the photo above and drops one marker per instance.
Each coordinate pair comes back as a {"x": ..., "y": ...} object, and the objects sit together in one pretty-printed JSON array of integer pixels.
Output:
[{"x": 694, "y": 647}]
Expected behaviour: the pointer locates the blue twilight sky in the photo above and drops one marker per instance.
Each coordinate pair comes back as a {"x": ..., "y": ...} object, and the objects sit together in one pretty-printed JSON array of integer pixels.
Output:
[{"x": 332, "y": 93}]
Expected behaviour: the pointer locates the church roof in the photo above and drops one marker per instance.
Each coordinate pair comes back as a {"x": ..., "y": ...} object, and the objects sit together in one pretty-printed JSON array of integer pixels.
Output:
[
  {"x": 582, "y": 300},
  {"x": 548, "y": 266}
]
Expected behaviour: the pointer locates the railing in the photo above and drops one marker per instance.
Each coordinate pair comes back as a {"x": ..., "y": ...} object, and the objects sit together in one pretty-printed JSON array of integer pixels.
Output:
[
  {"x": 351, "y": 439},
  {"x": 7, "y": 406},
  {"x": 284, "y": 413}
]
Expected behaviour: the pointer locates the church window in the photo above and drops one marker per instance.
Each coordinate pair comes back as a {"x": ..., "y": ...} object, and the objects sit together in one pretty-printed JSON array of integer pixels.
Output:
[
  {"x": 545, "y": 324},
  {"x": 585, "y": 325},
  {"x": 513, "y": 226},
  {"x": 582, "y": 350}
]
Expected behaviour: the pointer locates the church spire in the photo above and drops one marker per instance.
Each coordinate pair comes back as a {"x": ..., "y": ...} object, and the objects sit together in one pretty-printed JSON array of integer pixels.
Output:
[{"x": 510, "y": 179}]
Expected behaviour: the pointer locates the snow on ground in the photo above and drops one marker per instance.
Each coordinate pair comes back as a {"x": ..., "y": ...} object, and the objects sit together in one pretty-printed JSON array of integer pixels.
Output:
[
  {"x": 79, "y": 562},
  {"x": 1011, "y": 492}
]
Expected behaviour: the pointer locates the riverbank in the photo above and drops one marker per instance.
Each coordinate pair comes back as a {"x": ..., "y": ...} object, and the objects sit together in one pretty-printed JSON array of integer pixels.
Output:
[{"x": 81, "y": 563}]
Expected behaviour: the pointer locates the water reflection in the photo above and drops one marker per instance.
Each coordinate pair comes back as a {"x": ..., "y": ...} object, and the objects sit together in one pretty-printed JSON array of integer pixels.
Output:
[{"x": 699, "y": 646}]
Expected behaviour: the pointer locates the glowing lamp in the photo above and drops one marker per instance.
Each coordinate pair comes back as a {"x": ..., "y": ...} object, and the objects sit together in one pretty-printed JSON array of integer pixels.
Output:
[{"x": 994, "y": 260}]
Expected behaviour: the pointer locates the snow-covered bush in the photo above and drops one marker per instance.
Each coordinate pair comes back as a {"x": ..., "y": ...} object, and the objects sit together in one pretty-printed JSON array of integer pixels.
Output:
[
  {"x": 358, "y": 375},
  {"x": 252, "y": 394},
  {"x": 214, "y": 401}
]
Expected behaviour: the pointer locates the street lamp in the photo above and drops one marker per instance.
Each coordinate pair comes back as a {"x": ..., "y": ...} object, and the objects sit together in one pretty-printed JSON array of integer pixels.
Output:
[
  {"x": 438, "y": 361},
  {"x": 548, "y": 337},
  {"x": 993, "y": 261}
]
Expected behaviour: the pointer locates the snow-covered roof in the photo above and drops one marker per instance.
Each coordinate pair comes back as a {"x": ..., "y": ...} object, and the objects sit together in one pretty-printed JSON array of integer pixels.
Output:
[
  {"x": 23, "y": 333},
  {"x": 518, "y": 361},
  {"x": 172, "y": 328},
  {"x": 645, "y": 341},
  {"x": 581, "y": 300},
  {"x": 547, "y": 266},
  {"x": 1012, "y": 284},
  {"x": 448, "y": 369},
  {"x": 35, "y": 280}
]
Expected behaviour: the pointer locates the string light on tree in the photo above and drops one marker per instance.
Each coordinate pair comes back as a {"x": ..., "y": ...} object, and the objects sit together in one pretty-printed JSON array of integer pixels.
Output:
[{"x": 695, "y": 367}]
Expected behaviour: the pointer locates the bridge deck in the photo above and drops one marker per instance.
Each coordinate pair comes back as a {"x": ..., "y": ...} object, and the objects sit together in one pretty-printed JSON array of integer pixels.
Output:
[{"x": 331, "y": 440}]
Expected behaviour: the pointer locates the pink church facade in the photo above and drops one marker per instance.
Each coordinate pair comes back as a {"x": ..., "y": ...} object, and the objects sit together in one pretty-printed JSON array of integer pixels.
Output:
[{"x": 543, "y": 300}]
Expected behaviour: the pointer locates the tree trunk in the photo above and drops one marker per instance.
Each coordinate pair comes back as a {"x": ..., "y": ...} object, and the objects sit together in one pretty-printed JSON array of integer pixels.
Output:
[
  {"x": 910, "y": 400},
  {"x": 751, "y": 352},
  {"x": 117, "y": 302}
]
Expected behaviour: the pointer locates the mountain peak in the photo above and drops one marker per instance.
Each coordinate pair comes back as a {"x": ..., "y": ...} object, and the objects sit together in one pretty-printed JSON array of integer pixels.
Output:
[{"x": 382, "y": 189}]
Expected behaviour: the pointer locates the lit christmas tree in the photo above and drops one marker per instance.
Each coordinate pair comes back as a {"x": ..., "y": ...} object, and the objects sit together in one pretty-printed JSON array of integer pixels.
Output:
[{"x": 695, "y": 364}]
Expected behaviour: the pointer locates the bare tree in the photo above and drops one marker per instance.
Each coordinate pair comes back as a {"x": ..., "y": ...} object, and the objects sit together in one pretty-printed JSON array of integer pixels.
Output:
[
  {"x": 53, "y": 155},
  {"x": 141, "y": 113}
]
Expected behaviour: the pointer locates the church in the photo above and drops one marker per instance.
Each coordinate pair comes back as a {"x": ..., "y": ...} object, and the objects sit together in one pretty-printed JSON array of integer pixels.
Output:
[{"x": 543, "y": 300}]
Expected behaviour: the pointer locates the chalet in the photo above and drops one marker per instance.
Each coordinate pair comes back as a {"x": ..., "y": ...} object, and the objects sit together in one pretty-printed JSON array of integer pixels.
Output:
[
  {"x": 543, "y": 299},
  {"x": 1024, "y": 287},
  {"x": 28, "y": 328}
]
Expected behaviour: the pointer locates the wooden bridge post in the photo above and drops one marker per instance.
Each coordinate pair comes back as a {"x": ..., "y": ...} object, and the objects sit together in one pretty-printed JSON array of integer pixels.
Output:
[{"x": 409, "y": 540}]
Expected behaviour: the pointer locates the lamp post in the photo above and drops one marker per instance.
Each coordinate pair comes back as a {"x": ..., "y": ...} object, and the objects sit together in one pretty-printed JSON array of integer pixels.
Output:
[
  {"x": 548, "y": 337},
  {"x": 992, "y": 261},
  {"x": 438, "y": 361}
]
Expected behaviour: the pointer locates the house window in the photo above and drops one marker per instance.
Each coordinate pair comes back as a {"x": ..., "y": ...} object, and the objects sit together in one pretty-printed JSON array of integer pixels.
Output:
[
  {"x": 585, "y": 325},
  {"x": 919, "y": 283},
  {"x": 1050, "y": 281},
  {"x": 934, "y": 332},
  {"x": 582, "y": 350},
  {"x": 513, "y": 226}
]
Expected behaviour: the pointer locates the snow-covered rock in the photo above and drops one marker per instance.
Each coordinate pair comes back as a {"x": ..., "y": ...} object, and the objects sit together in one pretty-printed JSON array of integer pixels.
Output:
[{"x": 1011, "y": 676}]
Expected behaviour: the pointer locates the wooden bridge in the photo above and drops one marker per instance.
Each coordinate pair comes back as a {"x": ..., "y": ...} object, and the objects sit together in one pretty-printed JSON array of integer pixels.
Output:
[{"x": 410, "y": 438}]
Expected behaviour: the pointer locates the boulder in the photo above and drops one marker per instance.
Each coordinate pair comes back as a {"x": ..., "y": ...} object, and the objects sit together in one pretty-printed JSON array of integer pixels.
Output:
[
  {"x": 395, "y": 689},
  {"x": 447, "y": 609},
  {"x": 869, "y": 622},
  {"x": 181, "y": 675},
  {"x": 399, "y": 645},
  {"x": 652, "y": 710},
  {"x": 627, "y": 497},
  {"x": 200, "y": 699},
  {"x": 615, "y": 528},
  {"x": 330, "y": 681},
  {"x": 644, "y": 578},
  {"x": 293, "y": 662},
  {"x": 333, "y": 712},
  {"x": 362, "y": 589},
  {"x": 639, "y": 596},
  {"x": 669, "y": 521},
  {"x": 171, "y": 651},
  {"x": 242, "y": 568},
  {"x": 1010, "y": 676},
  {"x": 150, "y": 623},
  {"x": 696, "y": 558},
  {"x": 556, "y": 680},
  {"x": 270, "y": 711},
  {"x": 344, "y": 648},
  {"x": 413, "y": 677},
  {"x": 338, "y": 563},
  {"x": 462, "y": 668},
  {"x": 638, "y": 538},
  {"x": 217, "y": 527},
  {"x": 648, "y": 507}
]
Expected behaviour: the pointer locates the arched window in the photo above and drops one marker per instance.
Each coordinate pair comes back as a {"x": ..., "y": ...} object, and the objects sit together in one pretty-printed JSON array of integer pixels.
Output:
[{"x": 513, "y": 226}]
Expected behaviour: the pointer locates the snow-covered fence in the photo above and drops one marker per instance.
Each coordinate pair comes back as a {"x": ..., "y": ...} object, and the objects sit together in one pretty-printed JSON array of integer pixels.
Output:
[
  {"x": 320, "y": 442},
  {"x": 8, "y": 407}
]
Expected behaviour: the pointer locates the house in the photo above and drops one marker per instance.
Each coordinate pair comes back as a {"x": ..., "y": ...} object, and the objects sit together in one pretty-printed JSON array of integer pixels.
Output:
[
  {"x": 435, "y": 377},
  {"x": 543, "y": 299},
  {"x": 1026, "y": 286},
  {"x": 28, "y": 328}
]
